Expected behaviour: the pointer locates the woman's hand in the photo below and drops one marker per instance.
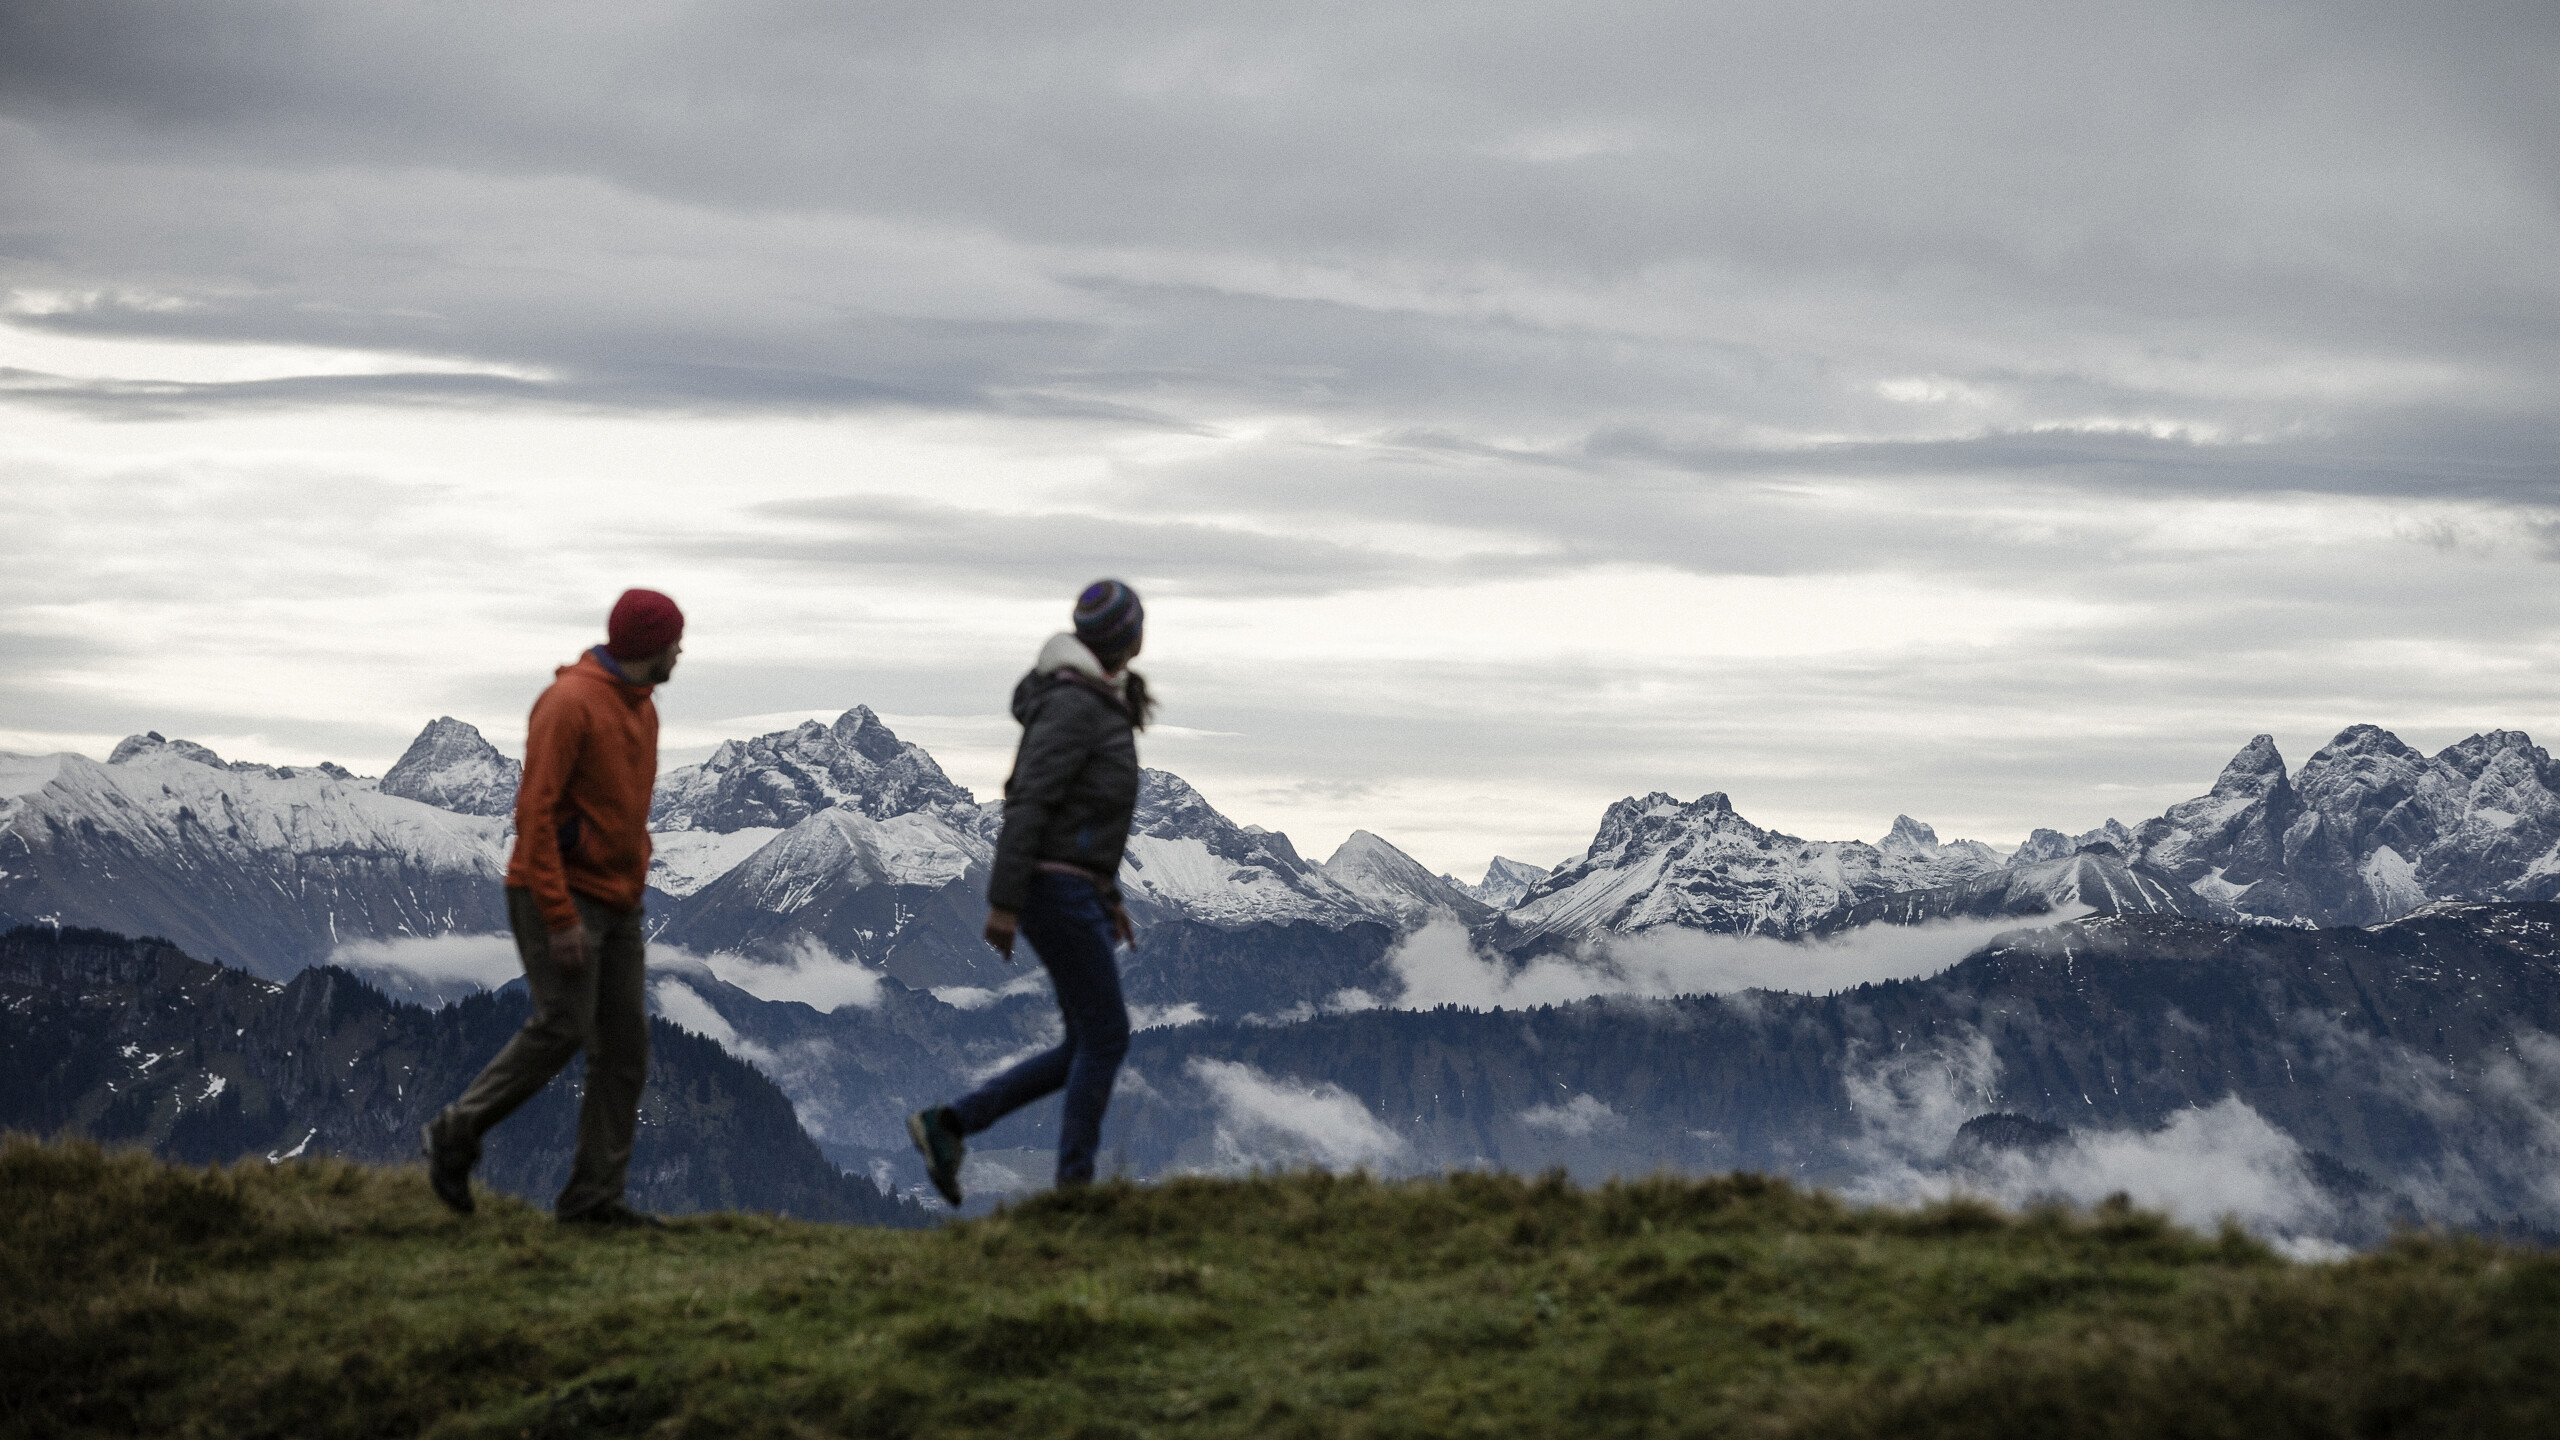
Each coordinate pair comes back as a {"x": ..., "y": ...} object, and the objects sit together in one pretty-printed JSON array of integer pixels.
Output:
[
  {"x": 999, "y": 932},
  {"x": 1121, "y": 927}
]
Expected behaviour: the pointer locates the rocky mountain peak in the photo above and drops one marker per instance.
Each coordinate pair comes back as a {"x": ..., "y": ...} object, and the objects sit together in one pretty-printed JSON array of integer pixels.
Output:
[
  {"x": 2363, "y": 759},
  {"x": 453, "y": 767},
  {"x": 2044, "y": 845},
  {"x": 1187, "y": 858},
  {"x": 1357, "y": 843},
  {"x": 151, "y": 742},
  {"x": 2256, "y": 770},
  {"x": 1633, "y": 820},
  {"x": 2367, "y": 830},
  {"x": 861, "y": 731},
  {"x": 2512, "y": 750},
  {"x": 1907, "y": 832},
  {"x": 1168, "y": 807},
  {"x": 1396, "y": 883},
  {"x": 778, "y": 780},
  {"x": 1505, "y": 881}
]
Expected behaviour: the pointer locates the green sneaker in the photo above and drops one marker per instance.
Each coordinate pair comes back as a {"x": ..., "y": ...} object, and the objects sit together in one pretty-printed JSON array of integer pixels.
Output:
[{"x": 937, "y": 1136}]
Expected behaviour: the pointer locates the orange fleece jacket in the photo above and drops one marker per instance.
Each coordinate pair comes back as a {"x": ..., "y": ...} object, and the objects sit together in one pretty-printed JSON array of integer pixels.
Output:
[{"x": 582, "y": 815}]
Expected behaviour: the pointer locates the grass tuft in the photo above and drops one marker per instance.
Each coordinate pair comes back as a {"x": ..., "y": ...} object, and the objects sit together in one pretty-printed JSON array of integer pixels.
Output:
[{"x": 322, "y": 1299}]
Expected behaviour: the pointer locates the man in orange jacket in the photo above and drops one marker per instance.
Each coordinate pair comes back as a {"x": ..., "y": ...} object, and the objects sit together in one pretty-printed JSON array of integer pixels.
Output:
[{"x": 573, "y": 897}]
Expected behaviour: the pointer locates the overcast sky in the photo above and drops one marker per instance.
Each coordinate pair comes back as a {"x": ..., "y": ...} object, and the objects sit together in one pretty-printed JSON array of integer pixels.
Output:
[{"x": 1997, "y": 413}]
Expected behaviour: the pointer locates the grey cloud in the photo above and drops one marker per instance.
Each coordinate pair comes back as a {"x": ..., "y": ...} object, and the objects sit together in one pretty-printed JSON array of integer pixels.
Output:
[
  {"x": 2441, "y": 455},
  {"x": 1633, "y": 225},
  {"x": 1111, "y": 122},
  {"x": 1055, "y": 553},
  {"x": 161, "y": 400}
]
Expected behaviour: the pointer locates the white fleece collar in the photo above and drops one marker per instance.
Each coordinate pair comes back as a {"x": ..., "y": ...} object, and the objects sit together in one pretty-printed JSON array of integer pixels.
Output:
[{"x": 1065, "y": 652}]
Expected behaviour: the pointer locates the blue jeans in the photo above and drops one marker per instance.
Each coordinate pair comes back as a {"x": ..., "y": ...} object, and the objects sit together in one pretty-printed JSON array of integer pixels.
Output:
[{"x": 1071, "y": 932}]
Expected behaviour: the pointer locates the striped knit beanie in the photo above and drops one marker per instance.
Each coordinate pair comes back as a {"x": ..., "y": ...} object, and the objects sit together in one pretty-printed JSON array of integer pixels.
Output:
[{"x": 1109, "y": 619}]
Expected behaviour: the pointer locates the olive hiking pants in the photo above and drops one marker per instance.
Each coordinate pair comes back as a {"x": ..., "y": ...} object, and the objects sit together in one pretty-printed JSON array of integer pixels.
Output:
[{"x": 601, "y": 1008}]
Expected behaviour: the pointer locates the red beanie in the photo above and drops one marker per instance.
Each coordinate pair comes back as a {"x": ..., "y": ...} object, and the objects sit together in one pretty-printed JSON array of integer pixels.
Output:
[{"x": 644, "y": 622}]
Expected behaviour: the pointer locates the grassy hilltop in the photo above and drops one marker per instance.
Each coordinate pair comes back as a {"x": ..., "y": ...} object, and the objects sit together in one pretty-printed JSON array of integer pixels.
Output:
[{"x": 323, "y": 1298}]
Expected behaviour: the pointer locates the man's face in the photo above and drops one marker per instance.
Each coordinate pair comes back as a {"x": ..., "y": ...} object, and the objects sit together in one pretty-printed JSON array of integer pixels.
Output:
[{"x": 663, "y": 664}]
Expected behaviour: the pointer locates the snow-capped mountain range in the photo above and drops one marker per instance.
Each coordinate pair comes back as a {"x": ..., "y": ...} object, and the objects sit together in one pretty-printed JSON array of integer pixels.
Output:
[
  {"x": 1701, "y": 866},
  {"x": 847, "y": 837},
  {"x": 2370, "y": 831},
  {"x": 270, "y": 867}
]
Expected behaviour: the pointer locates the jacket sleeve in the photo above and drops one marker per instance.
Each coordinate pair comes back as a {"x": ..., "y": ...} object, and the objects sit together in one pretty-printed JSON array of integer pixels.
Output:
[
  {"x": 1055, "y": 746},
  {"x": 553, "y": 739}
]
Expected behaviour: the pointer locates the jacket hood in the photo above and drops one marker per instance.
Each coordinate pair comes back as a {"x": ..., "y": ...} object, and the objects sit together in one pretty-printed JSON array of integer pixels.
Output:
[
  {"x": 589, "y": 667},
  {"x": 1066, "y": 661},
  {"x": 1065, "y": 652}
]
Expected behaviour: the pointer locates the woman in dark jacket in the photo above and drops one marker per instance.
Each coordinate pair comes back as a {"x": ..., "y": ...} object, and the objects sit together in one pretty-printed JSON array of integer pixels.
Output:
[{"x": 1056, "y": 882}]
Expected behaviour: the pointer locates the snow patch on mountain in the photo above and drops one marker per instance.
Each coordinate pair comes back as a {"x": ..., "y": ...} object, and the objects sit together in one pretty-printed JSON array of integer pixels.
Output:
[
  {"x": 1184, "y": 874},
  {"x": 848, "y": 848},
  {"x": 21, "y": 776},
  {"x": 2093, "y": 881},
  {"x": 27, "y": 774},
  {"x": 1185, "y": 857},
  {"x": 2393, "y": 881},
  {"x": 683, "y": 861}
]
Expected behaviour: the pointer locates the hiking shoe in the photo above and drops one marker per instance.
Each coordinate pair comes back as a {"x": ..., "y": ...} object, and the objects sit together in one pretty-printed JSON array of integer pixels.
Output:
[
  {"x": 448, "y": 1170},
  {"x": 614, "y": 1215},
  {"x": 937, "y": 1136}
]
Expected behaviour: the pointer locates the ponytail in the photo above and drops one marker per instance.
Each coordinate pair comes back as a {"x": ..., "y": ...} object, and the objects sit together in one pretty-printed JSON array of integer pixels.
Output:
[{"x": 1135, "y": 699}]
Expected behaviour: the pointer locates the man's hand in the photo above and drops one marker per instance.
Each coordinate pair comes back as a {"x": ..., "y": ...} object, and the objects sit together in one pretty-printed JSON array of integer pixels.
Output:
[
  {"x": 1000, "y": 927},
  {"x": 1121, "y": 927},
  {"x": 569, "y": 948}
]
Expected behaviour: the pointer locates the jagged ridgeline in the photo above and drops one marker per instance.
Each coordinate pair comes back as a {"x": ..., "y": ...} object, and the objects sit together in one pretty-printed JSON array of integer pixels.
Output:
[
  {"x": 131, "y": 1041},
  {"x": 842, "y": 835}
]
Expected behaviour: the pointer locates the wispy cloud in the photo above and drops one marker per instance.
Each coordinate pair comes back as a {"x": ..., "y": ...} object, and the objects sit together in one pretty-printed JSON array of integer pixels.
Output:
[
  {"x": 2206, "y": 1164},
  {"x": 1579, "y": 1117},
  {"x": 433, "y": 970},
  {"x": 1438, "y": 964},
  {"x": 805, "y": 971},
  {"x": 1266, "y": 1122}
]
